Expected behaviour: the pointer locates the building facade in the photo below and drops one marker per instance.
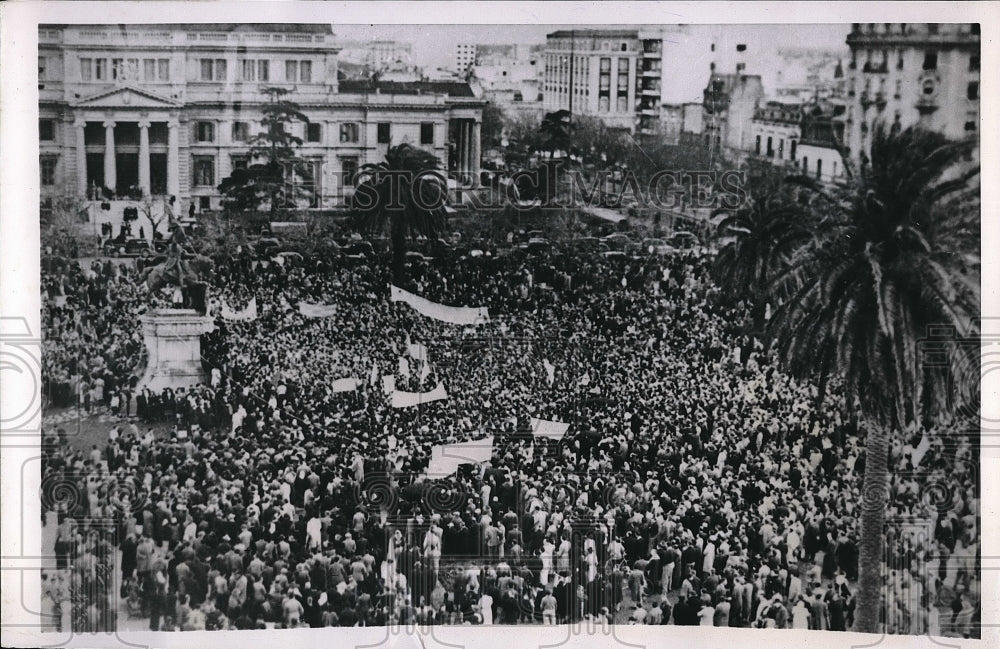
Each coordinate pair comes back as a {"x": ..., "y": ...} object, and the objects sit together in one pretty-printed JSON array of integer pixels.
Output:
[
  {"x": 906, "y": 74},
  {"x": 465, "y": 57},
  {"x": 593, "y": 72},
  {"x": 776, "y": 131},
  {"x": 729, "y": 105},
  {"x": 168, "y": 110}
]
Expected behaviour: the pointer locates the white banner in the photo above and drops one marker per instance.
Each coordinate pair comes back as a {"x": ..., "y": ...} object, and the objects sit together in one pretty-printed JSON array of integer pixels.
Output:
[
  {"x": 417, "y": 351},
  {"x": 248, "y": 313},
  {"x": 550, "y": 371},
  {"x": 446, "y": 459},
  {"x": 388, "y": 384},
  {"x": 346, "y": 385},
  {"x": 404, "y": 367},
  {"x": 452, "y": 314},
  {"x": 317, "y": 310},
  {"x": 402, "y": 399},
  {"x": 552, "y": 429}
]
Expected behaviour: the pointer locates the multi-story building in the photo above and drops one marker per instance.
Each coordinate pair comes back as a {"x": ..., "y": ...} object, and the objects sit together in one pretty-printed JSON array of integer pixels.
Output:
[
  {"x": 465, "y": 57},
  {"x": 912, "y": 73},
  {"x": 376, "y": 54},
  {"x": 168, "y": 109},
  {"x": 822, "y": 140},
  {"x": 729, "y": 105},
  {"x": 510, "y": 76},
  {"x": 593, "y": 72},
  {"x": 776, "y": 131}
]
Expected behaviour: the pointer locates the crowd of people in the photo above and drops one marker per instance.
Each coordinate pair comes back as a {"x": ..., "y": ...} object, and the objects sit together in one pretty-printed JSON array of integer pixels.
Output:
[{"x": 693, "y": 487}]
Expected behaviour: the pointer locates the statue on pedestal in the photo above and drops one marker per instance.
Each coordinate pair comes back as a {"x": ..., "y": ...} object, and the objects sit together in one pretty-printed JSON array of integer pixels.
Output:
[{"x": 183, "y": 269}]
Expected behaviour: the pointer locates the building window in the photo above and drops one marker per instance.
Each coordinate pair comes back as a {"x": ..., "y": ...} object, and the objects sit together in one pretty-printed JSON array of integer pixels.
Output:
[
  {"x": 603, "y": 104},
  {"x": 47, "y": 165},
  {"x": 241, "y": 131},
  {"x": 899, "y": 62},
  {"x": 204, "y": 132},
  {"x": 164, "y": 69},
  {"x": 805, "y": 164},
  {"x": 928, "y": 87},
  {"x": 348, "y": 169},
  {"x": 970, "y": 126},
  {"x": 263, "y": 70},
  {"x": 427, "y": 133},
  {"x": 605, "y": 82},
  {"x": 819, "y": 168},
  {"x": 291, "y": 71},
  {"x": 770, "y": 147},
  {"x": 116, "y": 68},
  {"x": 313, "y": 132},
  {"x": 781, "y": 149},
  {"x": 213, "y": 69},
  {"x": 349, "y": 132},
  {"x": 86, "y": 69},
  {"x": 149, "y": 69},
  {"x": 204, "y": 203},
  {"x": 972, "y": 92},
  {"x": 249, "y": 70},
  {"x": 238, "y": 162},
  {"x": 256, "y": 70},
  {"x": 605, "y": 65},
  {"x": 974, "y": 28},
  {"x": 41, "y": 67},
  {"x": 204, "y": 171},
  {"x": 757, "y": 147},
  {"x": 899, "y": 88},
  {"x": 46, "y": 130},
  {"x": 792, "y": 152},
  {"x": 100, "y": 69},
  {"x": 741, "y": 47},
  {"x": 973, "y": 64},
  {"x": 930, "y": 60},
  {"x": 305, "y": 71},
  {"x": 623, "y": 83},
  {"x": 384, "y": 132},
  {"x": 623, "y": 104}
]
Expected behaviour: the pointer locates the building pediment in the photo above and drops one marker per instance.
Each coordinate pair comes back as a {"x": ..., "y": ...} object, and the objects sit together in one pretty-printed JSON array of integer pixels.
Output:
[{"x": 126, "y": 97}]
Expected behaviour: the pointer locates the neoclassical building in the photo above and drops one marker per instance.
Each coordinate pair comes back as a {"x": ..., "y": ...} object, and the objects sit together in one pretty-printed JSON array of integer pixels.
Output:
[{"x": 168, "y": 109}]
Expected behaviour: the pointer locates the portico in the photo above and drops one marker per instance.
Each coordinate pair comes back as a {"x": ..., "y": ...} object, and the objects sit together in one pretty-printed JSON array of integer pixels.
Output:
[{"x": 127, "y": 141}]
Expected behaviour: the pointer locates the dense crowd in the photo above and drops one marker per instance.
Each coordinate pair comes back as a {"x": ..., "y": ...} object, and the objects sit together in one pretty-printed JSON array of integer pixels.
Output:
[{"x": 693, "y": 487}]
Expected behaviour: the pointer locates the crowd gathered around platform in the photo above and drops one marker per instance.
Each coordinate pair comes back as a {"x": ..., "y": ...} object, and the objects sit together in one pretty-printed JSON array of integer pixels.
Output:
[{"x": 693, "y": 487}]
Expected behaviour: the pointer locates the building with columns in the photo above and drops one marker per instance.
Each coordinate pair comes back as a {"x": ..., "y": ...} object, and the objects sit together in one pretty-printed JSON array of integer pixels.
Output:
[{"x": 168, "y": 110}]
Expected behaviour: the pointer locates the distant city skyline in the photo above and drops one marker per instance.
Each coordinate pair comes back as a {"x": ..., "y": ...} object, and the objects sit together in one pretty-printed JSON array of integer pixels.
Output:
[{"x": 434, "y": 45}]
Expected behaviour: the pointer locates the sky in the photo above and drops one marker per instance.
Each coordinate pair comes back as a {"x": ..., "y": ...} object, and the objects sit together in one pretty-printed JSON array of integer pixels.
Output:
[{"x": 434, "y": 45}]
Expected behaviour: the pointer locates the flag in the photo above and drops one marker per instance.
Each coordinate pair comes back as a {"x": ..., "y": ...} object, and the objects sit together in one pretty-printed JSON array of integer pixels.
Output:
[
  {"x": 552, "y": 429},
  {"x": 373, "y": 379},
  {"x": 550, "y": 370},
  {"x": 921, "y": 450},
  {"x": 346, "y": 385},
  {"x": 404, "y": 367},
  {"x": 446, "y": 459},
  {"x": 317, "y": 310},
  {"x": 451, "y": 314},
  {"x": 417, "y": 351},
  {"x": 425, "y": 371},
  {"x": 400, "y": 399},
  {"x": 388, "y": 383}
]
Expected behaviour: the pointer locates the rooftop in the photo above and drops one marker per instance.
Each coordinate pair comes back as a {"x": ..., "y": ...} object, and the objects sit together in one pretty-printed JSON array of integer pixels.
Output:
[
  {"x": 449, "y": 88},
  {"x": 286, "y": 28}
]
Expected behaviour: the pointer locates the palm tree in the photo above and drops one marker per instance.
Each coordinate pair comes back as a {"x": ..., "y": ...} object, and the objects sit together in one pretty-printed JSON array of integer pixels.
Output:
[
  {"x": 556, "y": 130},
  {"x": 759, "y": 237},
  {"x": 405, "y": 194},
  {"x": 890, "y": 261}
]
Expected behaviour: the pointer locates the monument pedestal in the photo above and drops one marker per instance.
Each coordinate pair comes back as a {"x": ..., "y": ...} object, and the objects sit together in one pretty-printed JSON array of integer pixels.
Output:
[{"x": 173, "y": 347}]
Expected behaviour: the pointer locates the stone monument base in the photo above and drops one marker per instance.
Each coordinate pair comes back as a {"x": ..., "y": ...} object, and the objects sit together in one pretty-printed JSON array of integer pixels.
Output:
[{"x": 173, "y": 348}]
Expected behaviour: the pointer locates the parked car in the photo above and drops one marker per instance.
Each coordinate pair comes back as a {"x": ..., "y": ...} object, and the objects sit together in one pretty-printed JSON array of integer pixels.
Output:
[
  {"x": 539, "y": 244},
  {"x": 127, "y": 248},
  {"x": 617, "y": 241},
  {"x": 657, "y": 247},
  {"x": 267, "y": 246},
  {"x": 684, "y": 240}
]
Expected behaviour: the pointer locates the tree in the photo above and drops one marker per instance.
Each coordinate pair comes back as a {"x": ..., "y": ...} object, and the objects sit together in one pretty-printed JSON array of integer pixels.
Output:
[
  {"x": 492, "y": 126},
  {"x": 556, "y": 129},
  {"x": 405, "y": 194},
  {"x": 759, "y": 238},
  {"x": 890, "y": 261},
  {"x": 274, "y": 173}
]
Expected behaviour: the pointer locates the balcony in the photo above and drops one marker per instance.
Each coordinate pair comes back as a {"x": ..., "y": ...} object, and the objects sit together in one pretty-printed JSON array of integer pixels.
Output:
[
  {"x": 927, "y": 104},
  {"x": 867, "y": 99},
  {"x": 880, "y": 100},
  {"x": 876, "y": 68},
  {"x": 652, "y": 90}
]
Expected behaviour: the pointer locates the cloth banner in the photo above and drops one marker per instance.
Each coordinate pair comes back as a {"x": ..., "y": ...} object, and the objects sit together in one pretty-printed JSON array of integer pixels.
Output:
[
  {"x": 404, "y": 367},
  {"x": 373, "y": 379},
  {"x": 248, "y": 313},
  {"x": 388, "y": 384},
  {"x": 346, "y": 385},
  {"x": 552, "y": 429},
  {"x": 317, "y": 310},
  {"x": 402, "y": 399},
  {"x": 452, "y": 314},
  {"x": 446, "y": 459},
  {"x": 550, "y": 371}
]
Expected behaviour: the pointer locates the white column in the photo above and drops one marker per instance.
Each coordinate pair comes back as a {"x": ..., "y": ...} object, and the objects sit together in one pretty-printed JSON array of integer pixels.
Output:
[
  {"x": 144, "y": 157},
  {"x": 81, "y": 157},
  {"x": 110, "y": 165},
  {"x": 173, "y": 159},
  {"x": 476, "y": 149}
]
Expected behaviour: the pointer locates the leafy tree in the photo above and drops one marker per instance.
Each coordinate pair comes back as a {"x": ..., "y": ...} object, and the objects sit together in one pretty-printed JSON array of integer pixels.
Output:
[
  {"x": 275, "y": 173},
  {"x": 556, "y": 130},
  {"x": 891, "y": 259},
  {"x": 492, "y": 126},
  {"x": 405, "y": 195}
]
